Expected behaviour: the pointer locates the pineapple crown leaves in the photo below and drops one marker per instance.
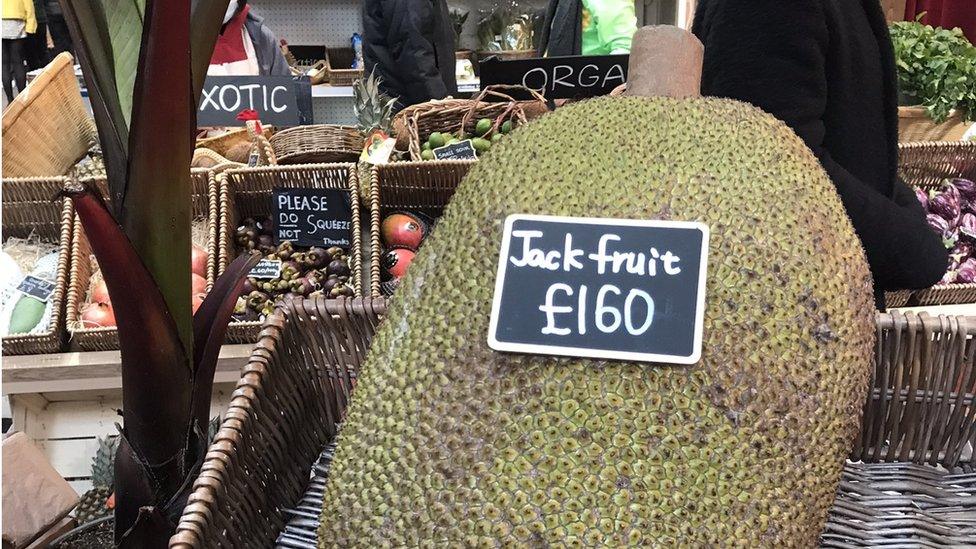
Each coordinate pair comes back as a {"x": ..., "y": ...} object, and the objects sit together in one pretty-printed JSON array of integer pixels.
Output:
[
  {"x": 103, "y": 464},
  {"x": 374, "y": 109}
]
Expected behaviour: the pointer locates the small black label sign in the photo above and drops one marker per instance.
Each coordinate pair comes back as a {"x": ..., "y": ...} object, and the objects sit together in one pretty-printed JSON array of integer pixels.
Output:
[
  {"x": 462, "y": 150},
  {"x": 266, "y": 269},
  {"x": 37, "y": 288},
  {"x": 601, "y": 288},
  {"x": 313, "y": 217},
  {"x": 569, "y": 77},
  {"x": 278, "y": 100}
]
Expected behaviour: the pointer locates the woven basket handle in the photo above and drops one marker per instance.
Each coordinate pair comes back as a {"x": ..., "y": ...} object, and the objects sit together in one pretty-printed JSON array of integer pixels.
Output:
[{"x": 513, "y": 106}]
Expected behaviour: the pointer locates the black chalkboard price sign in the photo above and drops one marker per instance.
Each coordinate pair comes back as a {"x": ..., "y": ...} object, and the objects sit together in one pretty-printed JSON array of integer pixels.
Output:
[
  {"x": 38, "y": 288},
  {"x": 313, "y": 217},
  {"x": 278, "y": 100},
  {"x": 462, "y": 150},
  {"x": 570, "y": 77},
  {"x": 611, "y": 289}
]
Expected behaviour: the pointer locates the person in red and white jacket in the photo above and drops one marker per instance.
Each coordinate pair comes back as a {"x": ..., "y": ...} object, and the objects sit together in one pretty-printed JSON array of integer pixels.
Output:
[{"x": 245, "y": 46}]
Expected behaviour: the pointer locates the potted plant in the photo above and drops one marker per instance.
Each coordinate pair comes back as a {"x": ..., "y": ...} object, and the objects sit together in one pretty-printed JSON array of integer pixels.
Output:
[
  {"x": 144, "y": 64},
  {"x": 937, "y": 81}
]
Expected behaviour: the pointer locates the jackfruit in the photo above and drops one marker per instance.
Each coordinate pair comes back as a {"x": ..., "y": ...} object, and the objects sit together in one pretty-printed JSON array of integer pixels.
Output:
[{"x": 450, "y": 444}]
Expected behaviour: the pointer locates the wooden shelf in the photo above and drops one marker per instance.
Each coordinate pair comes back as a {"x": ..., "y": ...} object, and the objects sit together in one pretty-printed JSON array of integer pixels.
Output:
[{"x": 93, "y": 371}]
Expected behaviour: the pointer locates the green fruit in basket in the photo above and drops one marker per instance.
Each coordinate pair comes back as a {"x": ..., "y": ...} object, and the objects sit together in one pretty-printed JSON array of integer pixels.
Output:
[
  {"x": 453, "y": 140},
  {"x": 26, "y": 315},
  {"x": 496, "y": 138},
  {"x": 436, "y": 140},
  {"x": 425, "y": 146},
  {"x": 427, "y": 154},
  {"x": 506, "y": 126},
  {"x": 462, "y": 136},
  {"x": 483, "y": 127},
  {"x": 452, "y": 444},
  {"x": 481, "y": 144}
]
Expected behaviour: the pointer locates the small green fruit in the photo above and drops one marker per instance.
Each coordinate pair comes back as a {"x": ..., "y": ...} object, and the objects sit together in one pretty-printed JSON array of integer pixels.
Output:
[
  {"x": 426, "y": 146},
  {"x": 506, "y": 126},
  {"x": 427, "y": 154},
  {"x": 480, "y": 144},
  {"x": 483, "y": 127},
  {"x": 436, "y": 140},
  {"x": 496, "y": 138}
]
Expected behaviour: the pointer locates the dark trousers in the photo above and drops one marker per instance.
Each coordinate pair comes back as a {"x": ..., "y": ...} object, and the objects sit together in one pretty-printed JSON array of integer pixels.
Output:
[
  {"x": 36, "y": 54},
  {"x": 13, "y": 66},
  {"x": 59, "y": 33}
]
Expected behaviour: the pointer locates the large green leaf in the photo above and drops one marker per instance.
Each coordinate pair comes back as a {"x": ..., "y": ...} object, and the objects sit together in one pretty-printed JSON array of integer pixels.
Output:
[{"x": 124, "y": 23}]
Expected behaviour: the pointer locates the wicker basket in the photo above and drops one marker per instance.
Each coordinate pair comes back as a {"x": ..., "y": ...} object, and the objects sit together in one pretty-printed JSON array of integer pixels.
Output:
[
  {"x": 204, "y": 205},
  {"x": 317, "y": 144},
  {"x": 47, "y": 129},
  {"x": 422, "y": 187},
  {"x": 29, "y": 207},
  {"x": 247, "y": 192},
  {"x": 295, "y": 389},
  {"x": 927, "y": 166},
  {"x": 451, "y": 115},
  {"x": 915, "y": 126},
  {"x": 339, "y": 62}
]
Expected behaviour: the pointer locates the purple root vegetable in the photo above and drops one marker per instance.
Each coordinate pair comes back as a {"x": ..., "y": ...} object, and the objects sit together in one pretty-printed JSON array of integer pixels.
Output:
[
  {"x": 967, "y": 272},
  {"x": 938, "y": 224},
  {"x": 947, "y": 206},
  {"x": 923, "y": 198}
]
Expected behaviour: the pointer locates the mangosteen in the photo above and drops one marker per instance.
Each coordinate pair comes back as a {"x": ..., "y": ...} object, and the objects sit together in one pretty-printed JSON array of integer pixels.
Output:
[
  {"x": 256, "y": 300},
  {"x": 346, "y": 291},
  {"x": 283, "y": 285},
  {"x": 248, "y": 287},
  {"x": 316, "y": 257},
  {"x": 329, "y": 285},
  {"x": 285, "y": 249},
  {"x": 249, "y": 222},
  {"x": 339, "y": 267},
  {"x": 265, "y": 242},
  {"x": 316, "y": 275},
  {"x": 335, "y": 252}
]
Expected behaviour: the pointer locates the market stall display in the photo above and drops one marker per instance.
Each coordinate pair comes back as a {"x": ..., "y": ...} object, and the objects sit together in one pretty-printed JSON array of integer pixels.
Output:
[
  {"x": 247, "y": 223},
  {"x": 417, "y": 191},
  {"x": 37, "y": 245},
  {"x": 942, "y": 174},
  {"x": 90, "y": 314}
]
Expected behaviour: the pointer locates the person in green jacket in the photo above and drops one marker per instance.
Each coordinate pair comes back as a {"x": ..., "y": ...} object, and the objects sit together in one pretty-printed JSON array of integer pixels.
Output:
[{"x": 588, "y": 27}]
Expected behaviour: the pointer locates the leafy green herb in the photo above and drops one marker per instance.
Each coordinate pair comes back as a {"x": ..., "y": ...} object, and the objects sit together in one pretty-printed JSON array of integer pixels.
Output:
[{"x": 936, "y": 69}]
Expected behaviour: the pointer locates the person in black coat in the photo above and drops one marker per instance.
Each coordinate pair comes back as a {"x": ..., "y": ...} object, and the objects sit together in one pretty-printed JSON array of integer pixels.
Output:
[
  {"x": 410, "y": 44},
  {"x": 826, "y": 68}
]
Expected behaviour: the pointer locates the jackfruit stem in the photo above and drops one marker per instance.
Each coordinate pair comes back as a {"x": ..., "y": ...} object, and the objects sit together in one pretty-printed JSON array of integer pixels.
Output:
[{"x": 665, "y": 61}]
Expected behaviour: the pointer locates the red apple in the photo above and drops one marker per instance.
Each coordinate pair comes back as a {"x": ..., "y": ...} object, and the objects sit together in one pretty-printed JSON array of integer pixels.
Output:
[
  {"x": 403, "y": 230},
  {"x": 99, "y": 293},
  {"x": 198, "y": 261},
  {"x": 397, "y": 260},
  {"x": 198, "y": 284},
  {"x": 98, "y": 315}
]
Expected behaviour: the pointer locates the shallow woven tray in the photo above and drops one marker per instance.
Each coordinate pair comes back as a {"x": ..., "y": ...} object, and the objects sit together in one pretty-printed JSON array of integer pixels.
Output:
[
  {"x": 422, "y": 187},
  {"x": 338, "y": 63},
  {"x": 247, "y": 192},
  {"x": 29, "y": 206},
  {"x": 47, "y": 128},
  {"x": 927, "y": 166},
  {"x": 294, "y": 392},
  {"x": 204, "y": 206},
  {"x": 413, "y": 124},
  {"x": 317, "y": 144}
]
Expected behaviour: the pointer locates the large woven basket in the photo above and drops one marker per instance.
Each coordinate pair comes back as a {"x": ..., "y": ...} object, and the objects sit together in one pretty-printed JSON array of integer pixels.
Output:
[
  {"x": 904, "y": 483},
  {"x": 414, "y": 124},
  {"x": 421, "y": 187},
  {"x": 927, "y": 166},
  {"x": 247, "y": 192},
  {"x": 915, "y": 126},
  {"x": 47, "y": 129},
  {"x": 29, "y": 206},
  {"x": 204, "y": 206},
  {"x": 317, "y": 144}
]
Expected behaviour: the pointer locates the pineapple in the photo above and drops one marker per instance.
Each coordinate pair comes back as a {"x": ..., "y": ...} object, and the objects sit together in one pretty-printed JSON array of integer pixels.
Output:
[
  {"x": 374, "y": 118},
  {"x": 95, "y": 503}
]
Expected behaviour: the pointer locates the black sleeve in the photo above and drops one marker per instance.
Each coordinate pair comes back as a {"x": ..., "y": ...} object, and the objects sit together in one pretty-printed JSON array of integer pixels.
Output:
[
  {"x": 409, "y": 37},
  {"x": 771, "y": 53}
]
